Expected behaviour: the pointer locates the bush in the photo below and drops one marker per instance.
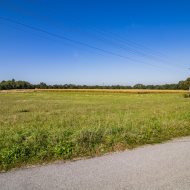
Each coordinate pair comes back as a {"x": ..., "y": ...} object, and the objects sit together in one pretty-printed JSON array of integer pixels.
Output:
[{"x": 187, "y": 95}]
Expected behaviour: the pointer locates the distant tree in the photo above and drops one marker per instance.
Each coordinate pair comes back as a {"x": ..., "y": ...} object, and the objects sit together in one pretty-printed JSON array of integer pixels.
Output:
[
  {"x": 139, "y": 86},
  {"x": 13, "y": 84},
  {"x": 42, "y": 85},
  {"x": 184, "y": 84}
]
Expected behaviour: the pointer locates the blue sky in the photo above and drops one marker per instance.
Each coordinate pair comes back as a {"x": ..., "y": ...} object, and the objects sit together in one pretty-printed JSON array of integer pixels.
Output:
[{"x": 115, "y": 42}]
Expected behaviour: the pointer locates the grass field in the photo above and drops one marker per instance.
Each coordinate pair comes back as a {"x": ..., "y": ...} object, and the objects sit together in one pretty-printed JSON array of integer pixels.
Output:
[{"x": 38, "y": 127}]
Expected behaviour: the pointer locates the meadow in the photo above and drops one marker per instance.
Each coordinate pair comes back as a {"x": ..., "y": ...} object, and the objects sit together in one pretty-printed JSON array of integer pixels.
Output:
[{"x": 43, "y": 126}]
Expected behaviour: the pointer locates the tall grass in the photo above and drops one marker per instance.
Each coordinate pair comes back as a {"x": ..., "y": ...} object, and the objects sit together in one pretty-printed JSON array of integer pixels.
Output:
[{"x": 39, "y": 127}]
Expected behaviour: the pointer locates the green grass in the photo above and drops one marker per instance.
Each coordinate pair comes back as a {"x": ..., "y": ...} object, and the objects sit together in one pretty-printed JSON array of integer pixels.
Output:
[{"x": 40, "y": 127}]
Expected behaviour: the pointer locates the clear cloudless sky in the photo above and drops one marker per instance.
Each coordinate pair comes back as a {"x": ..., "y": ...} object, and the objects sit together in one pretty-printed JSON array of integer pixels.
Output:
[{"x": 115, "y": 41}]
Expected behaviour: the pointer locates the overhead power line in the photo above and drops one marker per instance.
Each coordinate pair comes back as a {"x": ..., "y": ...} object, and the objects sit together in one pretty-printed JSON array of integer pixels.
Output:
[
  {"x": 133, "y": 44},
  {"x": 131, "y": 48},
  {"x": 70, "y": 40},
  {"x": 118, "y": 41}
]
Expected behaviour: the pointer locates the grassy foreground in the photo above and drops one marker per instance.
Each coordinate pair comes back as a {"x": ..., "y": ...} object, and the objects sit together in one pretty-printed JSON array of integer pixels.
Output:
[{"x": 37, "y": 127}]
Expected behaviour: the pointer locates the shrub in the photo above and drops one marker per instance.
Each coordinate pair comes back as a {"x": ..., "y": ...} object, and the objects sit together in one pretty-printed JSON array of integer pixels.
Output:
[{"x": 187, "y": 95}]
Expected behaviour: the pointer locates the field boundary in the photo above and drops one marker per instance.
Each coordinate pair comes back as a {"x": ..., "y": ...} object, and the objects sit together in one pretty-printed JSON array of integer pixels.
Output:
[{"x": 127, "y": 91}]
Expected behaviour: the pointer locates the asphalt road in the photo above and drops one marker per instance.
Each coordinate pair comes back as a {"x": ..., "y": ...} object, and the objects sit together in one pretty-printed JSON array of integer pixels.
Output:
[{"x": 163, "y": 166}]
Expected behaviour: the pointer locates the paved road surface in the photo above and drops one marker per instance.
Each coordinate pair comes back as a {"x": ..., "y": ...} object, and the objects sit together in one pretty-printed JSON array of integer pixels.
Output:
[{"x": 163, "y": 166}]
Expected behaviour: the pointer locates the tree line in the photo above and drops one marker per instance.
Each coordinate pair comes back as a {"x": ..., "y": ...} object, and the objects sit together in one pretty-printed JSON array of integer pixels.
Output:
[{"x": 13, "y": 84}]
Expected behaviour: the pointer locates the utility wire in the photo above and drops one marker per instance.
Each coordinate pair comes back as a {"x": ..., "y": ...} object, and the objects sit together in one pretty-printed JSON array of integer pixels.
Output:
[
  {"x": 71, "y": 40},
  {"x": 128, "y": 49},
  {"x": 119, "y": 38},
  {"x": 126, "y": 45},
  {"x": 135, "y": 44}
]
